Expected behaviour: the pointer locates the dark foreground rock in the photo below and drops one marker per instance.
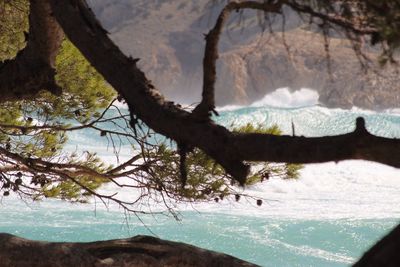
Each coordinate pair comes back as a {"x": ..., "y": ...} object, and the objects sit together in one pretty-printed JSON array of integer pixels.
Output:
[
  {"x": 136, "y": 251},
  {"x": 385, "y": 253}
]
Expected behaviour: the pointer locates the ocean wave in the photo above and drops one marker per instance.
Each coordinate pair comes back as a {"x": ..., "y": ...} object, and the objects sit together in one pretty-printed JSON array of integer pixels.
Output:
[
  {"x": 313, "y": 121},
  {"x": 284, "y": 97}
]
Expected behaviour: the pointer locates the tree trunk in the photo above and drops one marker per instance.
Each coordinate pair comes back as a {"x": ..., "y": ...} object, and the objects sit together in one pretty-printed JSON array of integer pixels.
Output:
[{"x": 33, "y": 68}]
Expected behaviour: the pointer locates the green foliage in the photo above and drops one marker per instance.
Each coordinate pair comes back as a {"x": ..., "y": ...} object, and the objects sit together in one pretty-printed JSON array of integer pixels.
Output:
[
  {"x": 250, "y": 128},
  {"x": 207, "y": 180},
  {"x": 84, "y": 93},
  {"x": 78, "y": 187},
  {"x": 13, "y": 24},
  {"x": 85, "y": 90},
  {"x": 36, "y": 129}
]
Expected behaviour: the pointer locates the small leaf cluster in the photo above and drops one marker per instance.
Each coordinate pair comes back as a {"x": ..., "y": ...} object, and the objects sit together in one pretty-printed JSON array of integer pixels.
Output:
[
  {"x": 13, "y": 25},
  {"x": 207, "y": 180},
  {"x": 76, "y": 188}
]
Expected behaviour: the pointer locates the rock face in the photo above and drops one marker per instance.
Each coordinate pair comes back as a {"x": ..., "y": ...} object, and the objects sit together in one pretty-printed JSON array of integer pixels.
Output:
[
  {"x": 137, "y": 251},
  {"x": 168, "y": 36},
  {"x": 252, "y": 70}
]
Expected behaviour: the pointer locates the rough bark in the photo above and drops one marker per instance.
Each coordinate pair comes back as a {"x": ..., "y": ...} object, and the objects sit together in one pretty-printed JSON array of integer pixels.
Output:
[
  {"x": 137, "y": 251},
  {"x": 33, "y": 68}
]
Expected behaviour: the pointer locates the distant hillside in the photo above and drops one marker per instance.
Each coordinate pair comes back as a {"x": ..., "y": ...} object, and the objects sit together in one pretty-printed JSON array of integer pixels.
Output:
[{"x": 168, "y": 36}]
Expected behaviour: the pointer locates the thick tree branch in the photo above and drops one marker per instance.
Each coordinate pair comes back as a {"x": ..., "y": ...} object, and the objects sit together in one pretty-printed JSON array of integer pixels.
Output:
[
  {"x": 146, "y": 102},
  {"x": 227, "y": 148},
  {"x": 359, "y": 144},
  {"x": 33, "y": 68}
]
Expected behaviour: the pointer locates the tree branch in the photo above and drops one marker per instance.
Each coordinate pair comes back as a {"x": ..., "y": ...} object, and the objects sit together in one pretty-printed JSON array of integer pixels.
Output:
[
  {"x": 227, "y": 148},
  {"x": 207, "y": 103},
  {"x": 356, "y": 24}
]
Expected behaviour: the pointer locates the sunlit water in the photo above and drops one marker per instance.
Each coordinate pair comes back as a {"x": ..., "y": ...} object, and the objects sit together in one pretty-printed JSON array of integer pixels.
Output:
[{"x": 328, "y": 217}]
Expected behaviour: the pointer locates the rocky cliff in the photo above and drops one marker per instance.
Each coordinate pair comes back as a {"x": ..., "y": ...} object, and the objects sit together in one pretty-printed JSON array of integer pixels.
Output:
[
  {"x": 250, "y": 71},
  {"x": 168, "y": 37}
]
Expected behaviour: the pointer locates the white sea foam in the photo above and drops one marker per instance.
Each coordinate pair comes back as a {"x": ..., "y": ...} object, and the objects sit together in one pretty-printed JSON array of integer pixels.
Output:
[
  {"x": 284, "y": 98},
  {"x": 229, "y": 108},
  {"x": 309, "y": 251},
  {"x": 349, "y": 189},
  {"x": 315, "y": 120},
  {"x": 120, "y": 104},
  {"x": 393, "y": 111}
]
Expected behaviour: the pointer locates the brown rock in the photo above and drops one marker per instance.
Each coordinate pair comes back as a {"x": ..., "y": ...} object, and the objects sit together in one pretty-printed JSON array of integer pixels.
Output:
[{"x": 136, "y": 251}]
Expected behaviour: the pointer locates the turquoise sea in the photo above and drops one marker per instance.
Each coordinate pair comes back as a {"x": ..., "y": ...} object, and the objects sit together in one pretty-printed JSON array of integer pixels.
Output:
[{"x": 328, "y": 217}]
